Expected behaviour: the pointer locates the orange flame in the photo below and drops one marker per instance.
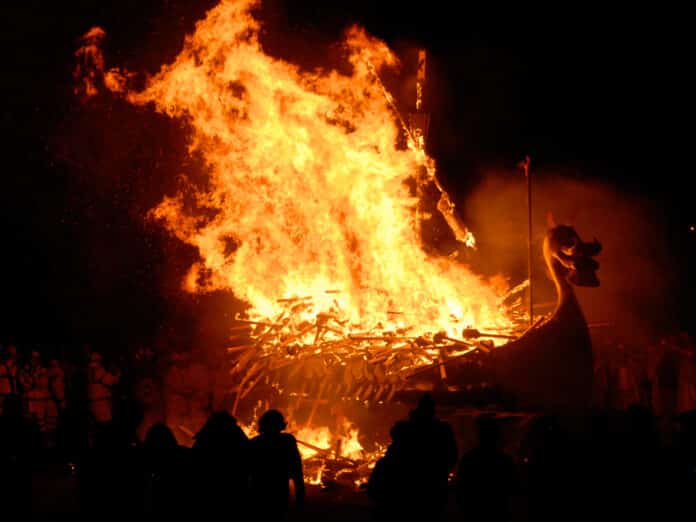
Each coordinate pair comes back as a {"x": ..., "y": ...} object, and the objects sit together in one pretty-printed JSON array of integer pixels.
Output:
[
  {"x": 306, "y": 192},
  {"x": 90, "y": 62}
]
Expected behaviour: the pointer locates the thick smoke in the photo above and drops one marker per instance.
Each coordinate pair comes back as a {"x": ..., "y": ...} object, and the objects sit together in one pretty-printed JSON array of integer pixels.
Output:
[{"x": 636, "y": 269}]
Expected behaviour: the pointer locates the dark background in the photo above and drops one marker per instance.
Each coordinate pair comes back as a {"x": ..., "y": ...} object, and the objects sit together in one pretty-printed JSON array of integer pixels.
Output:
[{"x": 603, "y": 94}]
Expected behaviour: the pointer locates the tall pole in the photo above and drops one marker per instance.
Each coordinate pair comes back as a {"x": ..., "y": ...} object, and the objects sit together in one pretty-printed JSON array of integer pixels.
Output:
[
  {"x": 525, "y": 166},
  {"x": 418, "y": 126}
]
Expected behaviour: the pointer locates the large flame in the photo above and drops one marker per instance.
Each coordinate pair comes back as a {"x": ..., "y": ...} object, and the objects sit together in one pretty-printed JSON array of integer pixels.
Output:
[
  {"x": 306, "y": 194},
  {"x": 306, "y": 199}
]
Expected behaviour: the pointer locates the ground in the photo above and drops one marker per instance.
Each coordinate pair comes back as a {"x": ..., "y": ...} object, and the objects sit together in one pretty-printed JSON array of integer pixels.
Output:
[{"x": 55, "y": 493}]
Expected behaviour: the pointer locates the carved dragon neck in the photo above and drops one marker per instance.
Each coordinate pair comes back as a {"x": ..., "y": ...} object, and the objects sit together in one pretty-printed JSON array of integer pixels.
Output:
[
  {"x": 550, "y": 367},
  {"x": 565, "y": 295}
]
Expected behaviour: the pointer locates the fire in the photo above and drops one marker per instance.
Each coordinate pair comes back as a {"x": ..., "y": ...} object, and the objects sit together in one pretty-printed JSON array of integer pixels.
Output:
[
  {"x": 306, "y": 184},
  {"x": 90, "y": 62},
  {"x": 319, "y": 445},
  {"x": 340, "y": 452},
  {"x": 307, "y": 215},
  {"x": 347, "y": 446},
  {"x": 351, "y": 447},
  {"x": 317, "y": 437}
]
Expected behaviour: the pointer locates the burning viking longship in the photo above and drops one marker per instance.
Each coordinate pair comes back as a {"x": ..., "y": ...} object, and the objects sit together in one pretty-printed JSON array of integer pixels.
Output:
[{"x": 309, "y": 215}]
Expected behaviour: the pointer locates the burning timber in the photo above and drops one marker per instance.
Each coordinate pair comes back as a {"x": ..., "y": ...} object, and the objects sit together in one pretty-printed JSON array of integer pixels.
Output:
[
  {"x": 330, "y": 359},
  {"x": 311, "y": 361},
  {"x": 314, "y": 361}
]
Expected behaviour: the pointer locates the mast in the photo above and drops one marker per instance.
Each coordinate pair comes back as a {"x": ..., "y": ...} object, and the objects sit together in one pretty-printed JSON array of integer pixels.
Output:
[
  {"x": 525, "y": 166},
  {"x": 419, "y": 121}
]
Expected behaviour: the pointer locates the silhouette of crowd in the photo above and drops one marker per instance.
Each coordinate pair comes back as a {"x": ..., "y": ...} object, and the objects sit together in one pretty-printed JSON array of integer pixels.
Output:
[
  {"x": 617, "y": 466},
  {"x": 148, "y": 451},
  {"x": 93, "y": 428}
]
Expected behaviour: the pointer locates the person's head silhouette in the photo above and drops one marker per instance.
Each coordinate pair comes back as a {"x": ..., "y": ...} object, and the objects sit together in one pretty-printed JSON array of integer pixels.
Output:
[
  {"x": 219, "y": 430},
  {"x": 159, "y": 438},
  {"x": 272, "y": 422},
  {"x": 488, "y": 431},
  {"x": 425, "y": 410}
]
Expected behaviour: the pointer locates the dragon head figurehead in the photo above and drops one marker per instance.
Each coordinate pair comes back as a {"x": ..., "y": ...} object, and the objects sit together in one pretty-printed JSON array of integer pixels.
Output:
[{"x": 570, "y": 257}]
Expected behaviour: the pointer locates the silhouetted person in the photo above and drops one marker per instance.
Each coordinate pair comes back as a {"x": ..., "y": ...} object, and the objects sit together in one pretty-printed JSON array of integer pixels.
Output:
[
  {"x": 130, "y": 417},
  {"x": 275, "y": 460},
  {"x": 550, "y": 466},
  {"x": 640, "y": 464},
  {"x": 680, "y": 479},
  {"x": 668, "y": 380},
  {"x": 74, "y": 426},
  {"x": 221, "y": 454},
  {"x": 384, "y": 484},
  {"x": 147, "y": 390},
  {"x": 20, "y": 440},
  {"x": 599, "y": 466},
  {"x": 100, "y": 382},
  {"x": 167, "y": 471},
  {"x": 411, "y": 480},
  {"x": 34, "y": 381},
  {"x": 56, "y": 407},
  {"x": 110, "y": 475},
  {"x": 486, "y": 478},
  {"x": 9, "y": 372}
]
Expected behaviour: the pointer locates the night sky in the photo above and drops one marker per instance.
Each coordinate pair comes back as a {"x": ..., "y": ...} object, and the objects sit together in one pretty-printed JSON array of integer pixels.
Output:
[{"x": 604, "y": 92}]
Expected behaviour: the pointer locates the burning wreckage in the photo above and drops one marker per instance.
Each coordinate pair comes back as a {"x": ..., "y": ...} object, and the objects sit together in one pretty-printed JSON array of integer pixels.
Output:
[
  {"x": 325, "y": 362},
  {"x": 308, "y": 365},
  {"x": 313, "y": 212}
]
